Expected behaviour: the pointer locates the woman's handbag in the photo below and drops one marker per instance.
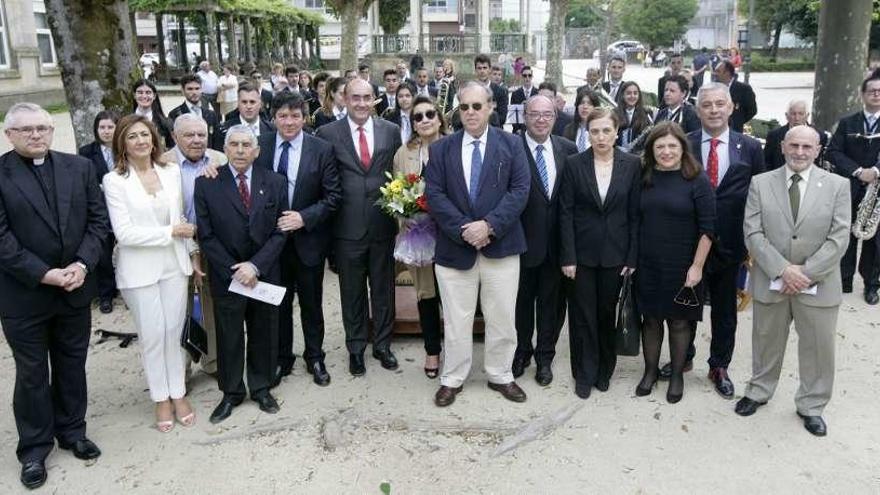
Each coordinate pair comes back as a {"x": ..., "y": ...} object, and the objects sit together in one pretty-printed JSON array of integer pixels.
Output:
[
  {"x": 629, "y": 323},
  {"x": 194, "y": 338}
]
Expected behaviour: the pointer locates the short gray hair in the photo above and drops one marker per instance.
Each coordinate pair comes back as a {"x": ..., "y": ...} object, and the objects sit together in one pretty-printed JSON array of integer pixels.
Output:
[
  {"x": 24, "y": 107},
  {"x": 713, "y": 86},
  {"x": 474, "y": 84},
  {"x": 794, "y": 103},
  {"x": 533, "y": 99},
  {"x": 241, "y": 129},
  {"x": 185, "y": 118}
]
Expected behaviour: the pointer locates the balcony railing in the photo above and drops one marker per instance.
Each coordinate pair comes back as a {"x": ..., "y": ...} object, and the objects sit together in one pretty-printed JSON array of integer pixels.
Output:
[
  {"x": 444, "y": 43},
  {"x": 393, "y": 43}
]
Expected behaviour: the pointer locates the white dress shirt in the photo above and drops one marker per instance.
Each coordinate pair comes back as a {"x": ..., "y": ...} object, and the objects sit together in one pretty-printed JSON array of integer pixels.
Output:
[
  {"x": 405, "y": 128},
  {"x": 194, "y": 109},
  {"x": 339, "y": 113},
  {"x": 467, "y": 150},
  {"x": 549, "y": 159},
  {"x": 802, "y": 185},
  {"x": 148, "y": 114},
  {"x": 293, "y": 157},
  {"x": 356, "y": 135},
  {"x": 210, "y": 80},
  {"x": 108, "y": 156},
  {"x": 255, "y": 125},
  {"x": 723, "y": 152}
]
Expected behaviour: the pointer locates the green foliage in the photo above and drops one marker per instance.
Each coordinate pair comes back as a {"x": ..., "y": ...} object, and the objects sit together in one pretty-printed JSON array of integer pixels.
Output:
[
  {"x": 583, "y": 14},
  {"x": 336, "y": 6},
  {"x": 657, "y": 22},
  {"x": 393, "y": 15},
  {"x": 385, "y": 488},
  {"x": 504, "y": 26},
  {"x": 279, "y": 10},
  {"x": 762, "y": 63}
]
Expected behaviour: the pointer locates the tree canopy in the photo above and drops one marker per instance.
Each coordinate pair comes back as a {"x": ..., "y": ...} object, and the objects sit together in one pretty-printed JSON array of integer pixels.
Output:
[
  {"x": 657, "y": 22},
  {"x": 276, "y": 9},
  {"x": 393, "y": 15}
]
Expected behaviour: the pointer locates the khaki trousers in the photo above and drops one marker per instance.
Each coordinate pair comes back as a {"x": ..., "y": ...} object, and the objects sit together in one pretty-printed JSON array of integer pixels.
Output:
[
  {"x": 495, "y": 282},
  {"x": 815, "y": 327}
]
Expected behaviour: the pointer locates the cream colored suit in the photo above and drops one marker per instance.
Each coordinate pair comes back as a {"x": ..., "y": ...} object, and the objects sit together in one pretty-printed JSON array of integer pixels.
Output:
[{"x": 817, "y": 239}]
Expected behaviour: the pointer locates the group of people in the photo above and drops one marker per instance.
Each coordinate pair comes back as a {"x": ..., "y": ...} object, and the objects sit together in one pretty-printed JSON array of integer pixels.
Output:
[{"x": 271, "y": 193}]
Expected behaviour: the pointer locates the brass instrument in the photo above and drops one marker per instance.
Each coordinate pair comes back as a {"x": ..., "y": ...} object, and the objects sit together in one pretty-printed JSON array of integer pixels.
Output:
[
  {"x": 867, "y": 218},
  {"x": 605, "y": 100},
  {"x": 442, "y": 101},
  {"x": 630, "y": 146}
]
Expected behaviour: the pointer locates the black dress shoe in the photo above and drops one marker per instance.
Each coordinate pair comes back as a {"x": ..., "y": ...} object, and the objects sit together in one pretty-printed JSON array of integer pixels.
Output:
[
  {"x": 33, "y": 474},
  {"x": 847, "y": 287},
  {"x": 747, "y": 407},
  {"x": 642, "y": 391},
  {"x": 386, "y": 357},
  {"x": 84, "y": 449},
  {"x": 267, "y": 403},
  {"x": 356, "y": 365},
  {"x": 582, "y": 390},
  {"x": 510, "y": 391},
  {"x": 602, "y": 384},
  {"x": 319, "y": 373},
  {"x": 722, "y": 382},
  {"x": 814, "y": 424},
  {"x": 519, "y": 365},
  {"x": 106, "y": 306},
  {"x": 281, "y": 372},
  {"x": 544, "y": 375},
  {"x": 223, "y": 410},
  {"x": 446, "y": 395},
  {"x": 666, "y": 370},
  {"x": 871, "y": 297}
]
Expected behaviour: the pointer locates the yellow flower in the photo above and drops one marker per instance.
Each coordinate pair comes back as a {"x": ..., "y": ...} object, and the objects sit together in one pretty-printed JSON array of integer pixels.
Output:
[{"x": 396, "y": 186}]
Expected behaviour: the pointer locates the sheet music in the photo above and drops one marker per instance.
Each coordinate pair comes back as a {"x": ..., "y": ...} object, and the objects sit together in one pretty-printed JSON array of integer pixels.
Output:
[
  {"x": 516, "y": 114},
  {"x": 263, "y": 292},
  {"x": 776, "y": 285}
]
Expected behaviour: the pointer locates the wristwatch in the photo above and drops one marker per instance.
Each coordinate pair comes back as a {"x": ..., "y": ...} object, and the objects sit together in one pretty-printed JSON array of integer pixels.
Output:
[{"x": 83, "y": 266}]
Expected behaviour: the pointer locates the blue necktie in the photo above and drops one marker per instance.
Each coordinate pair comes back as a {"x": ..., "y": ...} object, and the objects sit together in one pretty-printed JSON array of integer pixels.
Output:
[
  {"x": 476, "y": 168},
  {"x": 582, "y": 139},
  {"x": 284, "y": 158},
  {"x": 542, "y": 167}
]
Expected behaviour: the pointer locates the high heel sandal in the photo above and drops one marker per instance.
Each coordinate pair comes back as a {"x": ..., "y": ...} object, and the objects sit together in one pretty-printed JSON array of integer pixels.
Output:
[
  {"x": 432, "y": 372},
  {"x": 643, "y": 391},
  {"x": 188, "y": 420},
  {"x": 164, "y": 426}
]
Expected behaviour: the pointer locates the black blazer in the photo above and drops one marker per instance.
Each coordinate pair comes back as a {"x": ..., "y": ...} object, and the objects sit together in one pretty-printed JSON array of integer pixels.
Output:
[
  {"x": 32, "y": 242},
  {"x": 593, "y": 233},
  {"x": 746, "y": 160},
  {"x": 220, "y": 136},
  {"x": 382, "y": 105},
  {"x": 92, "y": 151},
  {"x": 848, "y": 152},
  {"x": 229, "y": 235},
  {"x": 570, "y": 131},
  {"x": 320, "y": 118},
  {"x": 539, "y": 219},
  {"x": 744, "y": 106},
  {"x": 358, "y": 216},
  {"x": 773, "y": 157},
  {"x": 687, "y": 118},
  {"x": 432, "y": 90},
  {"x": 499, "y": 94},
  {"x": 519, "y": 97},
  {"x": 209, "y": 117},
  {"x": 316, "y": 195},
  {"x": 562, "y": 121}
]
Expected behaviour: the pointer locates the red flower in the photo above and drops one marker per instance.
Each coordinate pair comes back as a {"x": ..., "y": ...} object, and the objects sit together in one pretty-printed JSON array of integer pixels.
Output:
[
  {"x": 412, "y": 178},
  {"x": 422, "y": 203}
]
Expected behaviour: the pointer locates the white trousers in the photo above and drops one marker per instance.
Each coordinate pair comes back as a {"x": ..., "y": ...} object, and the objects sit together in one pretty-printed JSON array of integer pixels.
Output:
[
  {"x": 496, "y": 281},
  {"x": 159, "y": 311}
]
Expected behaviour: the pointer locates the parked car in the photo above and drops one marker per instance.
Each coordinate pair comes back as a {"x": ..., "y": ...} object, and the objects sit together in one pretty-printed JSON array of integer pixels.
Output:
[{"x": 628, "y": 46}]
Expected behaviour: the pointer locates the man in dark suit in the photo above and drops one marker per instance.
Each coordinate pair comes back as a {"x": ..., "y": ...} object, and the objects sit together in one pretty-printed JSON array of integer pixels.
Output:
[
  {"x": 742, "y": 95},
  {"x": 677, "y": 108},
  {"x": 389, "y": 98},
  {"x": 676, "y": 62},
  {"x": 477, "y": 185},
  {"x": 314, "y": 193},
  {"x": 265, "y": 94},
  {"x": 856, "y": 158},
  {"x": 237, "y": 216},
  {"x": 423, "y": 86},
  {"x": 523, "y": 93},
  {"x": 616, "y": 68},
  {"x": 191, "y": 86},
  {"x": 730, "y": 159},
  {"x": 249, "y": 105},
  {"x": 53, "y": 224},
  {"x": 798, "y": 113},
  {"x": 483, "y": 71},
  {"x": 548, "y": 89},
  {"x": 364, "y": 73},
  {"x": 540, "y": 279},
  {"x": 363, "y": 149}
]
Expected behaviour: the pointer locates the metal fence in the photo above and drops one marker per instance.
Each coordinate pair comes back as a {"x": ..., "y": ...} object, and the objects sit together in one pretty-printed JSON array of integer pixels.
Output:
[{"x": 448, "y": 43}]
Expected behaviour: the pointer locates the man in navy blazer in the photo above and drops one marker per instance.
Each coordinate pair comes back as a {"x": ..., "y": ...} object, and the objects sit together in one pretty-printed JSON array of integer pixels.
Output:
[
  {"x": 314, "y": 191},
  {"x": 730, "y": 159},
  {"x": 477, "y": 185},
  {"x": 237, "y": 215}
]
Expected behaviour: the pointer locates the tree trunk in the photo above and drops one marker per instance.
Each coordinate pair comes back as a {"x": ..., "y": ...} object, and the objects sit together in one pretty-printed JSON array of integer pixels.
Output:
[
  {"x": 555, "y": 37},
  {"x": 230, "y": 40},
  {"x": 160, "y": 39},
  {"x": 218, "y": 34},
  {"x": 93, "y": 40},
  {"x": 844, "y": 26},
  {"x": 774, "y": 49},
  {"x": 351, "y": 18},
  {"x": 211, "y": 39},
  {"x": 248, "y": 47}
]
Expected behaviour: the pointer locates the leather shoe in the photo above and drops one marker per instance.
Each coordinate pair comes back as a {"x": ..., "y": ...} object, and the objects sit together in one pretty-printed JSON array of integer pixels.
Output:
[
  {"x": 871, "y": 297},
  {"x": 510, "y": 391},
  {"x": 814, "y": 424},
  {"x": 544, "y": 375},
  {"x": 602, "y": 384},
  {"x": 33, "y": 474},
  {"x": 847, "y": 287},
  {"x": 282, "y": 371},
  {"x": 223, "y": 410},
  {"x": 267, "y": 403},
  {"x": 386, "y": 357},
  {"x": 666, "y": 370},
  {"x": 356, "y": 365},
  {"x": 319, "y": 373},
  {"x": 83, "y": 448},
  {"x": 519, "y": 365},
  {"x": 582, "y": 391},
  {"x": 722, "y": 382},
  {"x": 747, "y": 407},
  {"x": 446, "y": 395},
  {"x": 106, "y": 306}
]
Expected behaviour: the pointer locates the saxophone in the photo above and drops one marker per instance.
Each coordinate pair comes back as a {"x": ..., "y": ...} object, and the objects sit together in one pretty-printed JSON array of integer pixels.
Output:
[
  {"x": 443, "y": 95},
  {"x": 868, "y": 214}
]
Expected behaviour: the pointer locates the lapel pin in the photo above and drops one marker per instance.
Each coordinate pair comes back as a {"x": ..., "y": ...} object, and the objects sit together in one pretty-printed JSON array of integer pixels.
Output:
[
  {"x": 739, "y": 146},
  {"x": 818, "y": 184},
  {"x": 261, "y": 191}
]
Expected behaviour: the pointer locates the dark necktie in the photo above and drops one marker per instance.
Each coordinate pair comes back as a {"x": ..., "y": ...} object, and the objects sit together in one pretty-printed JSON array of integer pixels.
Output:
[
  {"x": 284, "y": 158},
  {"x": 476, "y": 168},
  {"x": 794, "y": 196},
  {"x": 712, "y": 162},
  {"x": 244, "y": 192}
]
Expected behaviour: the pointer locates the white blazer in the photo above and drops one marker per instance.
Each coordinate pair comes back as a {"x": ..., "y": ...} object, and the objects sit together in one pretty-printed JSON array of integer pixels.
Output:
[{"x": 142, "y": 242}]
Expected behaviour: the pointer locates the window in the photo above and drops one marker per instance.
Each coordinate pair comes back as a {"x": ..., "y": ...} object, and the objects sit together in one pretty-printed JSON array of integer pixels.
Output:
[
  {"x": 4, "y": 54},
  {"x": 441, "y": 6},
  {"x": 44, "y": 35}
]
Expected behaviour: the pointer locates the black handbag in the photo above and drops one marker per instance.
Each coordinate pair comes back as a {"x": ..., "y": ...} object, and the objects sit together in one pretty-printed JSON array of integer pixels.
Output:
[
  {"x": 629, "y": 322},
  {"x": 194, "y": 338}
]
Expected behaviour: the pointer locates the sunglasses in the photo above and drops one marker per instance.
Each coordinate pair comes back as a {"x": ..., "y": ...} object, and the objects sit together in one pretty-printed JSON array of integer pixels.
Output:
[
  {"x": 464, "y": 107},
  {"x": 527, "y": 75},
  {"x": 430, "y": 114},
  {"x": 687, "y": 296}
]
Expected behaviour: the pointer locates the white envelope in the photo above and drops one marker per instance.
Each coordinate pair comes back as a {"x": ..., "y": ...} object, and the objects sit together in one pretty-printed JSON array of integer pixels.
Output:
[
  {"x": 776, "y": 284},
  {"x": 263, "y": 292}
]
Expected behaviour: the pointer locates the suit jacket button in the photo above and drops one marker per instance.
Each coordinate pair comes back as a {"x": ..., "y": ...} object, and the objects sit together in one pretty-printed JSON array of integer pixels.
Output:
[{"x": 794, "y": 237}]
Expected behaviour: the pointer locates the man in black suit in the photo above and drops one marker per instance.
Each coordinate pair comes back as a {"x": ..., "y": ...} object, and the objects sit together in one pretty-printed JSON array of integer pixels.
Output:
[
  {"x": 237, "y": 216},
  {"x": 363, "y": 148},
  {"x": 676, "y": 62},
  {"x": 313, "y": 193},
  {"x": 548, "y": 89},
  {"x": 797, "y": 114},
  {"x": 53, "y": 224},
  {"x": 483, "y": 71},
  {"x": 191, "y": 86},
  {"x": 677, "y": 108},
  {"x": 523, "y": 93},
  {"x": 856, "y": 158},
  {"x": 540, "y": 279},
  {"x": 616, "y": 68},
  {"x": 265, "y": 94},
  {"x": 389, "y": 98},
  {"x": 364, "y": 73},
  {"x": 423, "y": 86},
  {"x": 730, "y": 159},
  {"x": 744, "y": 106},
  {"x": 249, "y": 105}
]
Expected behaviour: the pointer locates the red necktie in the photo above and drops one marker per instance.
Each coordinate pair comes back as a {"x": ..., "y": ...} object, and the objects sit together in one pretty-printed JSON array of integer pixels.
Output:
[
  {"x": 244, "y": 192},
  {"x": 364, "y": 149},
  {"x": 712, "y": 167}
]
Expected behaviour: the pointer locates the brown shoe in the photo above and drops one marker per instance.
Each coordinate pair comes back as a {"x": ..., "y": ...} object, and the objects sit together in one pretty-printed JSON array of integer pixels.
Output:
[
  {"x": 510, "y": 391},
  {"x": 446, "y": 395}
]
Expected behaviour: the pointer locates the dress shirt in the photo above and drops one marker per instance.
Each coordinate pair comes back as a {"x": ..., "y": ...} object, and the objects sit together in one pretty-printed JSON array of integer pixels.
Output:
[
  {"x": 210, "y": 80},
  {"x": 423, "y": 90},
  {"x": 391, "y": 100},
  {"x": 723, "y": 152},
  {"x": 549, "y": 158},
  {"x": 148, "y": 114},
  {"x": 802, "y": 185},
  {"x": 613, "y": 87},
  {"x": 356, "y": 136},
  {"x": 405, "y": 127},
  {"x": 671, "y": 114},
  {"x": 467, "y": 150},
  {"x": 189, "y": 171},
  {"x": 195, "y": 109},
  {"x": 339, "y": 113},
  {"x": 294, "y": 155},
  {"x": 108, "y": 157},
  {"x": 582, "y": 130},
  {"x": 255, "y": 125}
]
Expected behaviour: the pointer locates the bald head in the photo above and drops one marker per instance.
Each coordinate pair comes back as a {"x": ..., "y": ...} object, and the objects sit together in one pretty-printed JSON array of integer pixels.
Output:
[
  {"x": 359, "y": 100},
  {"x": 800, "y": 147}
]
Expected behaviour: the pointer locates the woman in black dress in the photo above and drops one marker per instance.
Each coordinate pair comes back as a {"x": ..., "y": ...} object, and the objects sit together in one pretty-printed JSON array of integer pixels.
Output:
[
  {"x": 676, "y": 226},
  {"x": 598, "y": 225}
]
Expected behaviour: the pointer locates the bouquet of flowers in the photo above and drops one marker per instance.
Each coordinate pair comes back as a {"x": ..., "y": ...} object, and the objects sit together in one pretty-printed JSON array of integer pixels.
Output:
[{"x": 403, "y": 197}]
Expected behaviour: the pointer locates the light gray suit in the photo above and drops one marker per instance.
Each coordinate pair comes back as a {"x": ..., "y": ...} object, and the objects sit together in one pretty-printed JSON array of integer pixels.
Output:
[{"x": 817, "y": 240}]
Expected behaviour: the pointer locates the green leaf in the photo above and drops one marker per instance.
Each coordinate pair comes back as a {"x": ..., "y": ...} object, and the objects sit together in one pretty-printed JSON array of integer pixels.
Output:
[{"x": 385, "y": 488}]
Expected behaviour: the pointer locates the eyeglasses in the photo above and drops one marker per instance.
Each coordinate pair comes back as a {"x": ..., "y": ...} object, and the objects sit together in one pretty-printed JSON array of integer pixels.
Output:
[
  {"x": 464, "y": 107},
  {"x": 430, "y": 114},
  {"x": 687, "y": 296},
  {"x": 540, "y": 115},
  {"x": 142, "y": 92},
  {"x": 872, "y": 92},
  {"x": 40, "y": 129},
  {"x": 527, "y": 75}
]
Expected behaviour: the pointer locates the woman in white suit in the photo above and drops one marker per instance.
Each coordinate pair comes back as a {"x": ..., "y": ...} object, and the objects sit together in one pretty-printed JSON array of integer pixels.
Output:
[{"x": 145, "y": 202}]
